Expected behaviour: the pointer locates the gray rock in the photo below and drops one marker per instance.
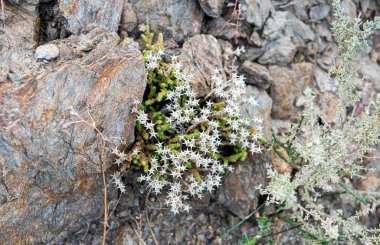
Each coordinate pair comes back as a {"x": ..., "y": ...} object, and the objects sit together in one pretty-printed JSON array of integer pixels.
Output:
[
  {"x": 220, "y": 28},
  {"x": 329, "y": 56},
  {"x": 275, "y": 24},
  {"x": 200, "y": 56},
  {"x": 253, "y": 53},
  {"x": 280, "y": 51},
  {"x": 324, "y": 81},
  {"x": 257, "y": 74},
  {"x": 83, "y": 16},
  {"x": 47, "y": 52},
  {"x": 299, "y": 32},
  {"x": 256, "y": 11},
  {"x": 212, "y": 8},
  {"x": 319, "y": 12},
  {"x": 263, "y": 109},
  {"x": 370, "y": 71},
  {"x": 180, "y": 18},
  {"x": 51, "y": 172},
  {"x": 349, "y": 9}
]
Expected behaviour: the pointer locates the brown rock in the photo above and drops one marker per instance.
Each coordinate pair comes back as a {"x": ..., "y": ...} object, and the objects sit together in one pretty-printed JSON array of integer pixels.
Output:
[
  {"x": 50, "y": 173},
  {"x": 282, "y": 92},
  {"x": 238, "y": 192},
  {"x": 288, "y": 85},
  {"x": 21, "y": 29},
  {"x": 128, "y": 20},
  {"x": 200, "y": 56}
]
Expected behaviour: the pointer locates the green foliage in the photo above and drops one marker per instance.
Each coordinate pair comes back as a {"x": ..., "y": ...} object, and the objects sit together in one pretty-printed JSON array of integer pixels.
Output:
[
  {"x": 183, "y": 142},
  {"x": 265, "y": 227}
]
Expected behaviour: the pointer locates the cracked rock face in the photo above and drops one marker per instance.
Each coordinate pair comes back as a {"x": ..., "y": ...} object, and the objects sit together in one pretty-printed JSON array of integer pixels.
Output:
[{"x": 50, "y": 171}]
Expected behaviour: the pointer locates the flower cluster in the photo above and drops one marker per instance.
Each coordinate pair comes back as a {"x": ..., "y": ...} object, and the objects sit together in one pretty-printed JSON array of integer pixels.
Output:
[{"x": 185, "y": 143}]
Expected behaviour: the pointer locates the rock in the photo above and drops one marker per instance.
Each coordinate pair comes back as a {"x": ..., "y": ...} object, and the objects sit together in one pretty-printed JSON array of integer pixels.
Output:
[
  {"x": 263, "y": 109},
  {"x": 226, "y": 48},
  {"x": 212, "y": 8},
  {"x": 349, "y": 8},
  {"x": 301, "y": 101},
  {"x": 253, "y": 53},
  {"x": 275, "y": 24},
  {"x": 21, "y": 29},
  {"x": 200, "y": 56},
  {"x": 257, "y": 74},
  {"x": 220, "y": 28},
  {"x": 47, "y": 52},
  {"x": 304, "y": 73},
  {"x": 280, "y": 165},
  {"x": 369, "y": 71},
  {"x": 180, "y": 18},
  {"x": 50, "y": 171},
  {"x": 329, "y": 56},
  {"x": 280, "y": 126},
  {"x": 328, "y": 103},
  {"x": 280, "y": 51},
  {"x": 255, "y": 40},
  {"x": 281, "y": 91},
  {"x": 128, "y": 21},
  {"x": 83, "y": 16},
  {"x": 256, "y": 12},
  {"x": 238, "y": 192},
  {"x": 319, "y": 12},
  {"x": 324, "y": 81},
  {"x": 288, "y": 85},
  {"x": 299, "y": 32}
]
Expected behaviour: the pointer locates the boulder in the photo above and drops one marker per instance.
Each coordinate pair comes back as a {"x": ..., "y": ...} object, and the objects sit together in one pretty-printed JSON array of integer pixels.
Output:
[{"x": 49, "y": 166}]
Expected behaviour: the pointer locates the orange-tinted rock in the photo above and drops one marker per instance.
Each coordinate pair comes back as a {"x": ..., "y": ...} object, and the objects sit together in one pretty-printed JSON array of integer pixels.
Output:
[{"x": 50, "y": 172}]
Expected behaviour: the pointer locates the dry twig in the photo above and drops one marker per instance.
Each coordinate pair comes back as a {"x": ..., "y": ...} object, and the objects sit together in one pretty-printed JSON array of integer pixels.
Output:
[{"x": 92, "y": 124}]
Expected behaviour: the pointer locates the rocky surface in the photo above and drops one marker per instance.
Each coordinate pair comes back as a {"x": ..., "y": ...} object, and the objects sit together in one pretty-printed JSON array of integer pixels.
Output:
[
  {"x": 84, "y": 15},
  {"x": 50, "y": 171},
  {"x": 50, "y": 192},
  {"x": 200, "y": 56}
]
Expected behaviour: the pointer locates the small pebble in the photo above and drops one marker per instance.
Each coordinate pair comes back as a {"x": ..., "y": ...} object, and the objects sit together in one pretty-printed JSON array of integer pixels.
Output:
[{"x": 47, "y": 52}]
